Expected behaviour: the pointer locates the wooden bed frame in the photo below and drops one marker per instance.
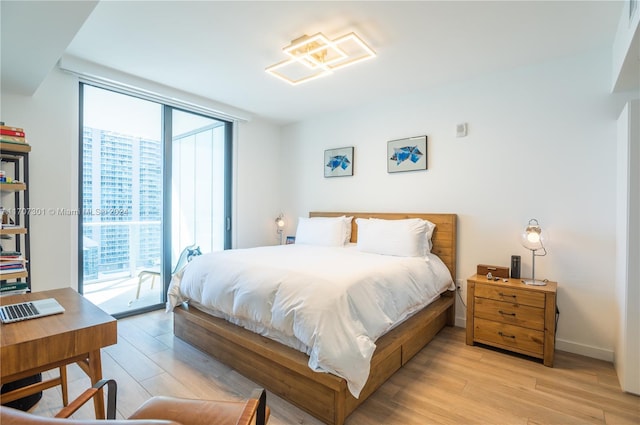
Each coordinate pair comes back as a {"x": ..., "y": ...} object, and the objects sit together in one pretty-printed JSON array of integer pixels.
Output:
[{"x": 285, "y": 371}]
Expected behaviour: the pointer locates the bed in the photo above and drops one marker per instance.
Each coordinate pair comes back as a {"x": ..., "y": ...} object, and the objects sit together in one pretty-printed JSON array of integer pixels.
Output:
[{"x": 285, "y": 371}]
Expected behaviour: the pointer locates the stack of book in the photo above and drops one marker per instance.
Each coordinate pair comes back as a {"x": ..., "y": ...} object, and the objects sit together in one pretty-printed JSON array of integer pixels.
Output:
[
  {"x": 11, "y": 262},
  {"x": 10, "y": 134},
  {"x": 13, "y": 288}
]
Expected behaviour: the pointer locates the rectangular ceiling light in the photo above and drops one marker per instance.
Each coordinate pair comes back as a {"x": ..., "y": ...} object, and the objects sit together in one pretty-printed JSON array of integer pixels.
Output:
[{"x": 317, "y": 56}]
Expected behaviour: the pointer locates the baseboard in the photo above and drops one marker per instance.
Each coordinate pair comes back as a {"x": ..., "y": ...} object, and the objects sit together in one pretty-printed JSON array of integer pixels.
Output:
[
  {"x": 584, "y": 350},
  {"x": 568, "y": 346}
]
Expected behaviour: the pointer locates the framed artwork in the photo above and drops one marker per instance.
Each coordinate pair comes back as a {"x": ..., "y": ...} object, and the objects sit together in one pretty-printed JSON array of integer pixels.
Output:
[
  {"x": 338, "y": 162},
  {"x": 408, "y": 154},
  {"x": 290, "y": 240}
]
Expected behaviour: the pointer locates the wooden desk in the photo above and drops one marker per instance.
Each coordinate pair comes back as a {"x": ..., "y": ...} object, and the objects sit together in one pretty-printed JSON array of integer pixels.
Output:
[{"x": 36, "y": 345}]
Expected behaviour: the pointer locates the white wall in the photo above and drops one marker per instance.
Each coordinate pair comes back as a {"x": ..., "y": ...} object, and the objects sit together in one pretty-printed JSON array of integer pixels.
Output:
[
  {"x": 258, "y": 194},
  {"x": 50, "y": 120},
  {"x": 541, "y": 144}
]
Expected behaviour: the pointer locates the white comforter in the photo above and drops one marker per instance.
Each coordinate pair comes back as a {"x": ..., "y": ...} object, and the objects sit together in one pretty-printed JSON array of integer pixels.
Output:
[{"x": 332, "y": 303}]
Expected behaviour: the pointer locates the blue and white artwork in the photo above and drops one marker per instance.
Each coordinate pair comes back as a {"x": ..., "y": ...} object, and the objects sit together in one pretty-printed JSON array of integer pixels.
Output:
[
  {"x": 411, "y": 153},
  {"x": 341, "y": 161},
  {"x": 407, "y": 154},
  {"x": 338, "y": 162}
]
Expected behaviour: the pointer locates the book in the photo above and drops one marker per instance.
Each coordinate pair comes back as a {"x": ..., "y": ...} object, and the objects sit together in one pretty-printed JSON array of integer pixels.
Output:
[
  {"x": 12, "y": 139},
  {"x": 11, "y": 258},
  {"x": 14, "y": 133},
  {"x": 8, "y": 271},
  {"x": 12, "y": 265},
  {"x": 8, "y": 127},
  {"x": 14, "y": 286},
  {"x": 16, "y": 292},
  {"x": 12, "y": 268}
]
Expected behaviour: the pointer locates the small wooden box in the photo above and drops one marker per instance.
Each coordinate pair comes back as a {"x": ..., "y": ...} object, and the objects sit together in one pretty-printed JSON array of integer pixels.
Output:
[{"x": 496, "y": 271}]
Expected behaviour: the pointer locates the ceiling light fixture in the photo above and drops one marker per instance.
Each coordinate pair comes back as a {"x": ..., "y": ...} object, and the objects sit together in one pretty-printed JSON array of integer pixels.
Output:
[{"x": 316, "y": 56}]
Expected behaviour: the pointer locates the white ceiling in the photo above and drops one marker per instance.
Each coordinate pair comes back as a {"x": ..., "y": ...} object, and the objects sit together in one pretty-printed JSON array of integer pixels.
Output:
[{"x": 219, "y": 50}]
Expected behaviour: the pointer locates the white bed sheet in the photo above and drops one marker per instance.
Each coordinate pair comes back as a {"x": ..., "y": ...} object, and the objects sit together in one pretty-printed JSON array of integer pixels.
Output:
[{"x": 332, "y": 303}]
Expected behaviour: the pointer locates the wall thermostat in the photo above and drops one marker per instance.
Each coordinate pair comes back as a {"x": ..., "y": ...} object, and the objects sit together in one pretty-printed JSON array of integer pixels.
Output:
[{"x": 461, "y": 130}]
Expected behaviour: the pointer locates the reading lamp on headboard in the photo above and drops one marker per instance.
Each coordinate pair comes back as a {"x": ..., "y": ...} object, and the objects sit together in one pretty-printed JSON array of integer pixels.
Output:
[{"x": 280, "y": 226}]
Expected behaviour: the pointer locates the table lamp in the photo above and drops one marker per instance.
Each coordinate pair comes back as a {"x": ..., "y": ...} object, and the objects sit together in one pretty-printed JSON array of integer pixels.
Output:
[{"x": 533, "y": 239}]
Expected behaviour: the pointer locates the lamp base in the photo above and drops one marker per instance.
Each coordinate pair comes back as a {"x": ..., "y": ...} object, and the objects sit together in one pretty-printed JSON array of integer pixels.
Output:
[{"x": 534, "y": 282}]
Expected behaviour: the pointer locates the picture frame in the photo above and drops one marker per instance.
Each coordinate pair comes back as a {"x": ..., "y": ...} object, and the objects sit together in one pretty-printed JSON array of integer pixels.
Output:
[
  {"x": 290, "y": 240},
  {"x": 409, "y": 154},
  {"x": 338, "y": 162}
]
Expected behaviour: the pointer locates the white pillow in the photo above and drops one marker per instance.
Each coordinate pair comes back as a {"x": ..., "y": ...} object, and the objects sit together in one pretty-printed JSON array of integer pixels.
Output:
[
  {"x": 320, "y": 231},
  {"x": 427, "y": 236},
  {"x": 347, "y": 228},
  {"x": 403, "y": 238},
  {"x": 343, "y": 219}
]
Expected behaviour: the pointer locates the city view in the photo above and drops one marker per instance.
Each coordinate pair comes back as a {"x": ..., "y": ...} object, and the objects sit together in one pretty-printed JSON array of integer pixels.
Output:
[{"x": 122, "y": 179}]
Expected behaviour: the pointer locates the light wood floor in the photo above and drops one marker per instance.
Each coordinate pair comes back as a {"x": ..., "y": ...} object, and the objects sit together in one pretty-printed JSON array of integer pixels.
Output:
[{"x": 448, "y": 382}]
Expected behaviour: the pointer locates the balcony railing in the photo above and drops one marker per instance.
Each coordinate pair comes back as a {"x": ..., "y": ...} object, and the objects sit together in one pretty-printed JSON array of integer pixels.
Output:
[{"x": 117, "y": 249}]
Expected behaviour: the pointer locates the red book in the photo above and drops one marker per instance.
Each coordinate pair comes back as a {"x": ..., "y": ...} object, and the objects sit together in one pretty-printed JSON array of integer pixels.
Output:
[{"x": 14, "y": 133}]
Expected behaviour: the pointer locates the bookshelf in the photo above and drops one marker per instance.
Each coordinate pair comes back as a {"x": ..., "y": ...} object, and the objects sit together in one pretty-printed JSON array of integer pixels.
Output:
[{"x": 14, "y": 233}]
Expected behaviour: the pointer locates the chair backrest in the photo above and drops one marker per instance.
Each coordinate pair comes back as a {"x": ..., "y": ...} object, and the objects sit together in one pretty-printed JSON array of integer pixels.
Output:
[
  {"x": 156, "y": 411},
  {"x": 186, "y": 255},
  {"x": 10, "y": 416}
]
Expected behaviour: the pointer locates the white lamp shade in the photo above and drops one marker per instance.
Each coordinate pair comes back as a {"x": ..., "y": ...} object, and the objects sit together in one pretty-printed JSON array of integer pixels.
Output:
[{"x": 532, "y": 237}]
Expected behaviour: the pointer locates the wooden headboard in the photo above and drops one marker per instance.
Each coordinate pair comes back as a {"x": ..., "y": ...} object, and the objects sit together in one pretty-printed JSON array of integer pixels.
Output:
[{"x": 443, "y": 239}]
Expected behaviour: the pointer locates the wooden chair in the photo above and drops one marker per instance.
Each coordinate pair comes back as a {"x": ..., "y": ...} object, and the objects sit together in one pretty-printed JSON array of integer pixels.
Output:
[
  {"x": 158, "y": 410},
  {"x": 12, "y": 392}
]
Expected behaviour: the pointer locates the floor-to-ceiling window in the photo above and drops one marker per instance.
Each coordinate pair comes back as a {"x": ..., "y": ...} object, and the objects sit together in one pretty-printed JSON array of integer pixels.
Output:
[
  {"x": 153, "y": 180},
  {"x": 197, "y": 215}
]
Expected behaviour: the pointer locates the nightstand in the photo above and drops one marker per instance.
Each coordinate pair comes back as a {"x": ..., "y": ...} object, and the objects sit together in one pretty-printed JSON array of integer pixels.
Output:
[{"x": 512, "y": 316}]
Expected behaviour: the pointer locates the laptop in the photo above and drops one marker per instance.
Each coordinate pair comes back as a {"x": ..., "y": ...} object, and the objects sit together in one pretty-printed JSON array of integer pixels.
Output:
[{"x": 29, "y": 310}]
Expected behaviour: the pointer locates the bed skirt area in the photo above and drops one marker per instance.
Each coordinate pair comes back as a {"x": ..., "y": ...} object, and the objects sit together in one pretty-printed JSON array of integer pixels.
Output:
[{"x": 285, "y": 371}]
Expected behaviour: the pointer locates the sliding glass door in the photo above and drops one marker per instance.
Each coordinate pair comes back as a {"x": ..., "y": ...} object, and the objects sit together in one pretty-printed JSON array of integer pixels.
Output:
[
  {"x": 153, "y": 181},
  {"x": 200, "y": 148}
]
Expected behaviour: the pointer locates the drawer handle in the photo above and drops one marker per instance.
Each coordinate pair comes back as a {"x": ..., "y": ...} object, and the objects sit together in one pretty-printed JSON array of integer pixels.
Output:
[
  {"x": 506, "y": 295},
  {"x": 506, "y": 313},
  {"x": 506, "y": 336}
]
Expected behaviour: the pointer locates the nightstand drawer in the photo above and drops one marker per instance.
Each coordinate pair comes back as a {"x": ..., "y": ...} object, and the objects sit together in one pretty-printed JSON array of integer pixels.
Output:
[
  {"x": 510, "y": 313},
  {"x": 508, "y": 336},
  {"x": 515, "y": 296}
]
